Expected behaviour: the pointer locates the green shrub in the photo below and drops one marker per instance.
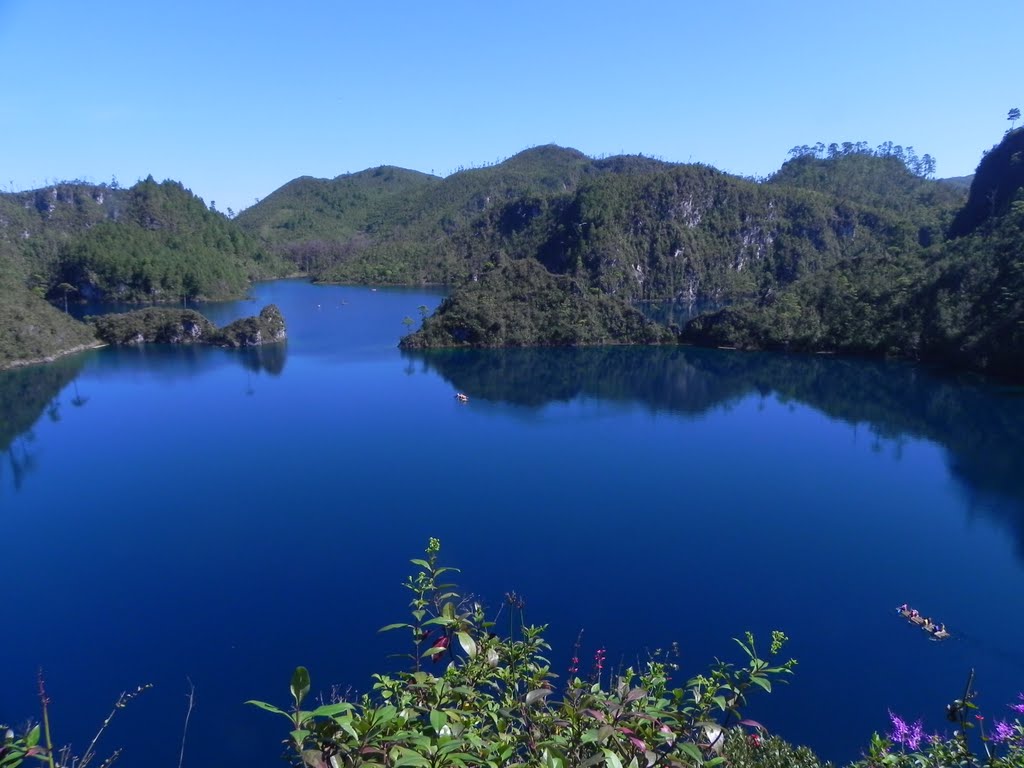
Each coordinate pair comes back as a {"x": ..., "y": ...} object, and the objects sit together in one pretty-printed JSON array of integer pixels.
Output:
[{"x": 496, "y": 702}]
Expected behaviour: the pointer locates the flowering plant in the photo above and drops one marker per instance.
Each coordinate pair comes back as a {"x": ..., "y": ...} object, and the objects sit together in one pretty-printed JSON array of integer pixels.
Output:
[
  {"x": 908, "y": 746},
  {"x": 497, "y": 702}
]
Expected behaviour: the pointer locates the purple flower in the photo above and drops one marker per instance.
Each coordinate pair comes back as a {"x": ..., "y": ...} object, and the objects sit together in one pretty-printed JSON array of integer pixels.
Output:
[
  {"x": 899, "y": 729},
  {"x": 915, "y": 735},
  {"x": 1018, "y": 707},
  {"x": 1003, "y": 731},
  {"x": 908, "y": 735}
]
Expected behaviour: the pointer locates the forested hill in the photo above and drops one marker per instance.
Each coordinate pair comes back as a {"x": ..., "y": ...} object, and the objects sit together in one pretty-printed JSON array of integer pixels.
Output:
[
  {"x": 34, "y": 226},
  {"x": 634, "y": 227},
  {"x": 996, "y": 185},
  {"x": 687, "y": 232},
  {"x": 163, "y": 245},
  {"x": 844, "y": 249},
  {"x": 308, "y": 209},
  {"x": 959, "y": 302},
  {"x": 153, "y": 242},
  {"x": 390, "y": 225}
]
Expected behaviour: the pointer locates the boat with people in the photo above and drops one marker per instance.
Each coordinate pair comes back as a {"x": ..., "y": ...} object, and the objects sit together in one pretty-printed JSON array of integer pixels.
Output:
[
  {"x": 461, "y": 397},
  {"x": 936, "y": 629}
]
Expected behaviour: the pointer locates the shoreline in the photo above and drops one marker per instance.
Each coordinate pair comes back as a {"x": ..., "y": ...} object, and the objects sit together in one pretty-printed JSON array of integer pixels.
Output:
[{"x": 13, "y": 364}]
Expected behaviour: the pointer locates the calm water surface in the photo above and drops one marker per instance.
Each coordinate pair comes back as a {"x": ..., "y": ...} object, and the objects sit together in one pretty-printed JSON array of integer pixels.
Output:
[{"x": 218, "y": 516}]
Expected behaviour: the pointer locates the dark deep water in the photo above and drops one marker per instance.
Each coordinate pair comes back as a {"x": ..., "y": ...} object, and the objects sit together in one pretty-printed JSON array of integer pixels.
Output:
[{"x": 224, "y": 516}]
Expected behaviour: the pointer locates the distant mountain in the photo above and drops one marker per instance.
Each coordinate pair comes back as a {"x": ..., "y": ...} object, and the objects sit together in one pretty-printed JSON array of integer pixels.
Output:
[
  {"x": 390, "y": 225},
  {"x": 958, "y": 182},
  {"x": 320, "y": 209}
]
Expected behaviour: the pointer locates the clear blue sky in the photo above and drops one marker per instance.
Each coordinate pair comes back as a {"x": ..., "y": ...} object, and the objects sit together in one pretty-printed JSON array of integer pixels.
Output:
[{"x": 234, "y": 98}]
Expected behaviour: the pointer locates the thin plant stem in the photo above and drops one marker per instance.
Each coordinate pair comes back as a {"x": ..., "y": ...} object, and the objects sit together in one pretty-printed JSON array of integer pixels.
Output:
[
  {"x": 188, "y": 714},
  {"x": 44, "y": 701}
]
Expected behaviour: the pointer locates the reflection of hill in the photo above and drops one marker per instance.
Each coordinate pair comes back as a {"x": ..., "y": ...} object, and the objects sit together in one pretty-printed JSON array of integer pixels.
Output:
[
  {"x": 25, "y": 394},
  {"x": 980, "y": 427},
  {"x": 266, "y": 357},
  {"x": 186, "y": 360}
]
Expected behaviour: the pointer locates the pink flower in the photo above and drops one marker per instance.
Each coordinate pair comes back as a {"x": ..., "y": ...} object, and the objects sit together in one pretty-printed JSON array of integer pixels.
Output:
[{"x": 442, "y": 643}]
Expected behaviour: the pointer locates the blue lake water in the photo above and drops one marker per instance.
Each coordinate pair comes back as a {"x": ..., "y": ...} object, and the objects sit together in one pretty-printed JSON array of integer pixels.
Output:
[{"x": 222, "y": 516}]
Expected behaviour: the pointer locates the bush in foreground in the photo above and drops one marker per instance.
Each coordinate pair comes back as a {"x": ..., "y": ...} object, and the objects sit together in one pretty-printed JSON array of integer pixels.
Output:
[{"x": 495, "y": 702}]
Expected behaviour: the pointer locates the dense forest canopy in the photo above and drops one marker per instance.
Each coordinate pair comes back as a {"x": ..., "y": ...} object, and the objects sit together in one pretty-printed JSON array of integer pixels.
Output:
[{"x": 847, "y": 248}]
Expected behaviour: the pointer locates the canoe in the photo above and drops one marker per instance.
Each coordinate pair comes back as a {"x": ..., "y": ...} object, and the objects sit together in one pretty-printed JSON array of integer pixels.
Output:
[{"x": 920, "y": 621}]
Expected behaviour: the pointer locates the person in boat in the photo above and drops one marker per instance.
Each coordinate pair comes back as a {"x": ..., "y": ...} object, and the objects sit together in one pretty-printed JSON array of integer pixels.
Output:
[
  {"x": 903, "y": 608},
  {"x": 913, "y": 613}
]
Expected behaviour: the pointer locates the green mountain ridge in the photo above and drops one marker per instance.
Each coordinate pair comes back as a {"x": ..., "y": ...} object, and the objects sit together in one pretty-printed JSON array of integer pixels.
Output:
[
  {"x": 958, "y": 302},
  {"x": 401, "y": 233},
  {"x": 855, "y": 251}
]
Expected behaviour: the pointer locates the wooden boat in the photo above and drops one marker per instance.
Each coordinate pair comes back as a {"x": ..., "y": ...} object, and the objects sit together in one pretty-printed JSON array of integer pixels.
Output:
[{"x": 936, "y": 630}]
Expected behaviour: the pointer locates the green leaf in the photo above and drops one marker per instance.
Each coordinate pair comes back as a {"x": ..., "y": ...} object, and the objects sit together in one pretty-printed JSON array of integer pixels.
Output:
[
  {"x": 467, "y": 643},
  {"x": 611, "y": 759},
  {"x": 330, "y": 710},
  {"x": 420, "y": 562},
  {"x": 269, "y": 708},
  {"x": 32, "y": 737},
  {"x": 763, "y": 682},
  {"x": 346, "y": 725},
  {"x": 300, "y": 685},
  {"x": 743, "y": 645},
  {"x": 299, "y": 736},
  {"x": 537, "y": 695},
  {"x": 692, "y": 752},
  {"x": 438, "y": 720},
  {"x": 314, "y": 758},
  {"x": 406, "y": 757}
]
